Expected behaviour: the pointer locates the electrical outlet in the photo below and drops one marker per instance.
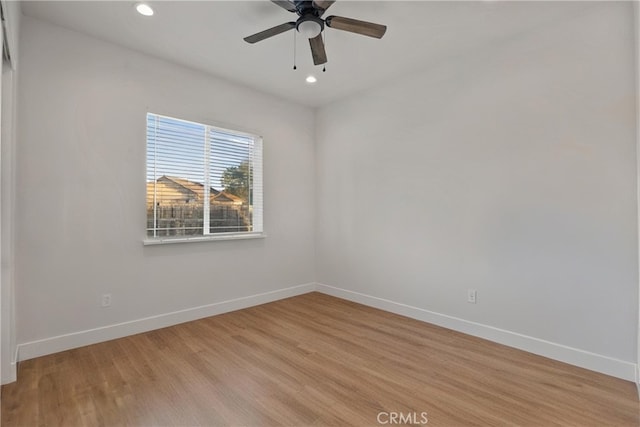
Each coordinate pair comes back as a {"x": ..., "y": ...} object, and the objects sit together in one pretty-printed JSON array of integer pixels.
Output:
[
  {"x": 472, "y": 294},
  {"x": 105, "y": 300}
]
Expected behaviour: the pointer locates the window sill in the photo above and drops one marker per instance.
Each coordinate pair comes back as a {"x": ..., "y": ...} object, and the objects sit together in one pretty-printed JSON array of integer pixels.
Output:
[{"x": 221, "y": 236}]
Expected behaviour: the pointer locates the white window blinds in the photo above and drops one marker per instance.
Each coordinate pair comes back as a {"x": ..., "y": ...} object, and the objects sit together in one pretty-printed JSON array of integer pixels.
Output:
[{"x": 201, "y": 180}]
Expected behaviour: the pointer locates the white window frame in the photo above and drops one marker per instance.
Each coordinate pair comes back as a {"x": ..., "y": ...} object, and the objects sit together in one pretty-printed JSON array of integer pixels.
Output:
[{"x": 257, "y": 206}]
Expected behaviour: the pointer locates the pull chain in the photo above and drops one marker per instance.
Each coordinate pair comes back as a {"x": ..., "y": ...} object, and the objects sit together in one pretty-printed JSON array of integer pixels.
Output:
[
  {"x": 294, "y": 50},
  {"x": 324, "y": 35}
]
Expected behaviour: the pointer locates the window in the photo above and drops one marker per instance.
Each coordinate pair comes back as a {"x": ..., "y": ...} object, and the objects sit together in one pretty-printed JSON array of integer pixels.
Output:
[{"x": 203, "y": 182}]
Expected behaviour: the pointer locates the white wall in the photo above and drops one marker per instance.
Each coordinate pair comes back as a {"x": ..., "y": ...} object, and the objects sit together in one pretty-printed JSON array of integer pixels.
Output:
[
  {"x": 511, "y": 170},
  {"x": 7, "y": 247},
  {"x": 11, "y": 10},
  {"x": 3, "y": 323},
  {"x": 636, "y": 9},
  {"x": 80, "y": 166}
]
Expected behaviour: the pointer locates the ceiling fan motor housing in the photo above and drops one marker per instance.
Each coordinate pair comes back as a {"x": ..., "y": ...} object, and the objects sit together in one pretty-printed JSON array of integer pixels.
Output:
[{"x": 305, "y": 7}]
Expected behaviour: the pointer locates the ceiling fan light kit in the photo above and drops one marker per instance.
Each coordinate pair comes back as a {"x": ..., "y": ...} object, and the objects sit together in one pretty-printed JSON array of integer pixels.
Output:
[{"x": 311, "y": 25}]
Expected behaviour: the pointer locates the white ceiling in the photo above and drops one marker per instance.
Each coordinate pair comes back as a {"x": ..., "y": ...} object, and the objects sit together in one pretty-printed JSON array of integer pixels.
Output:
[{"x": 207, "y": 35}]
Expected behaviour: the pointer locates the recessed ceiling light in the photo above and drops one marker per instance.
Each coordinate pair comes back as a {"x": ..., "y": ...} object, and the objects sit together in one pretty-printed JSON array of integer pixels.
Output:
[
  {"x": 311, "y": 79},
  {"x": 144, "y": 9}
]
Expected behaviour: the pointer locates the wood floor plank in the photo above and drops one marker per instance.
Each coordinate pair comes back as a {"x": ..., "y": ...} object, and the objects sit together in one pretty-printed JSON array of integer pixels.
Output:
[{"x": 311, "y": 360}]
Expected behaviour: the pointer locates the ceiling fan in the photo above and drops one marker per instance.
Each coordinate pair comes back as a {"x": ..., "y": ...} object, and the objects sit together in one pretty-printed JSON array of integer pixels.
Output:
[{"x": 310, "y": 24}]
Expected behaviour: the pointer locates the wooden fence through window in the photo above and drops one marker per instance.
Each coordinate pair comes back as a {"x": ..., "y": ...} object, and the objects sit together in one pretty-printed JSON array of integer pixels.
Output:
[{"x": 187, "y": 219}]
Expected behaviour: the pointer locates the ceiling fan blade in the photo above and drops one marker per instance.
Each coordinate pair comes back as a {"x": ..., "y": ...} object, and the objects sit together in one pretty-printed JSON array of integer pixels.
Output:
[
  {"x": 317, "y": 50},
  {"x": 270, "y": 32},
  {"x": 354, "y": 26},
  {"x": 322, "y": 5},
  {"x": 285, "y": 4}
]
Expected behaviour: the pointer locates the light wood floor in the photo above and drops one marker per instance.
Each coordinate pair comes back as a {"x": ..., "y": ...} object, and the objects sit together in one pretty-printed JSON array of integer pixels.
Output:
[{"x": 310, "y": 360}]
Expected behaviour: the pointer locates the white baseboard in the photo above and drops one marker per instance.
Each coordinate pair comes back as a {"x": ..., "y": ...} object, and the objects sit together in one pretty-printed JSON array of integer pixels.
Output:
[
  {"x": 12, "y": 375},
  {"x": 10, "y": 372},
  {"x": 573, "y": 356},
  {"x": 32, "y": 349}
]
